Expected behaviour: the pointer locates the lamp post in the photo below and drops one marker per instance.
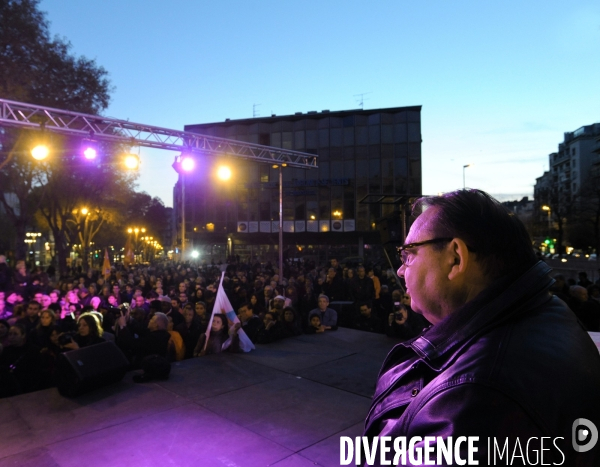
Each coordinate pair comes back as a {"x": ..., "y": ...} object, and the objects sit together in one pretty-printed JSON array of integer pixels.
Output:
[
  {"x": 280, "y": 167},
  {"x": 187, "y": 164},
  {"x": 549, "y": 211},
  {"x": 464, "y": 167}
]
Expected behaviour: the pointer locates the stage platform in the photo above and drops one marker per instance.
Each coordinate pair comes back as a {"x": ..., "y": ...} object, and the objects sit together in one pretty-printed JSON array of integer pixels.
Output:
[{"x": 285, "y": 404}]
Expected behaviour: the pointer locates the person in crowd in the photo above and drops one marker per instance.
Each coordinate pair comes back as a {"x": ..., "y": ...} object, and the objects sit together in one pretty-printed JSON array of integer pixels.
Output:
[
  {"x": 488, "y": 365},
  {"x": 153, "y": 342},
  {"x": 376, "y": 283},
  {"x": 48, "y": 356},
  {"x": 267, "y": 296},
  {"x": 4, "y": 327},
  {"x": 40, "y": 335},
  {"x": 140, "y": 302},
  {"x": 362, "y": 288},
  {"x": 367, "y": 320},
  {"x": 257, "y": 305},
  {"x": 270, "y": 329},
  {"x": 5, "y": 275},
  {"x": 127, "y": 295},
  {"x": 54, "y": 296},
  {"x": 20, "y": 370},
  {"x": 202, "y": 314},
  {"x": 89, "y": 332},
  {"x": 13, "y": 300},
  {"x": 116, "y": 294},
  {"x": 583, "y": 280},
  {"x": 176, "y": 342},
  {"x": 314, "y": 325},
  {"x": 290, "y": 326},
  {"x": 277, "y": 305},
  {"x": 32, "y": 316},
  {"x": 403, "y": 322},
  {"x": 586, "y": 310},
  {"x": 221, "y": 337},
  {"x": 4, "y": 312},
  {"x": 85, "y": 297},
  {"x": 45, "y": 301},
  {"x": 250, "y": 321},
  {"x": 334, "y": 286},
  {"x": 190, "y": 329},
  {"x": 594, "y": 292},
  {"x": 327, "y": 316},
  {"x": 21, "y": 280}
]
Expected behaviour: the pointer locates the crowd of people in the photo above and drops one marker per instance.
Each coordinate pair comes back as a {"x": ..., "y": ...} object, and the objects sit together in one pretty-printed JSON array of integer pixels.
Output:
[{"x": 164, "y": 310}]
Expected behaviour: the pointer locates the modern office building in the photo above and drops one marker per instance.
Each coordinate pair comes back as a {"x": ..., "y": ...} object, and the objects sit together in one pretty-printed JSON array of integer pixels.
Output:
[{"x": 334, "y": 209}]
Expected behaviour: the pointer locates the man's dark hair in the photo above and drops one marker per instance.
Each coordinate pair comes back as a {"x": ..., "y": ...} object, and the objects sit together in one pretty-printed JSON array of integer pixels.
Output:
[{"x": 489, "y": 229}]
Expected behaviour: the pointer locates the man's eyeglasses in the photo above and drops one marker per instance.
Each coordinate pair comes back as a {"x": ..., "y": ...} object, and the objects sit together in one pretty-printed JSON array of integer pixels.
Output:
[{"x": 404, "y": 254}]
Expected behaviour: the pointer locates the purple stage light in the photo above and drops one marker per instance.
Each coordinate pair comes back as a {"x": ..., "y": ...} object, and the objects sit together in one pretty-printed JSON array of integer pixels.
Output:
[
  {"x": 90, "y": 153},
  {"x": 89, "y": 149},
  {"x": 187, "y": 164}
]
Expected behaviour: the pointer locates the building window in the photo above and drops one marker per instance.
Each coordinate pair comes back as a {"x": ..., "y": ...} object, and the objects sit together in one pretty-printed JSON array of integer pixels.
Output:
[
  {"x": 287, "y": 140},
  {"x": 573, "y": 151}
]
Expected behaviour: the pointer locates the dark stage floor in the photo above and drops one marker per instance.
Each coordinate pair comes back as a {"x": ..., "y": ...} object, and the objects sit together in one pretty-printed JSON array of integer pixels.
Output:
[{"x": 285, "y": 404}]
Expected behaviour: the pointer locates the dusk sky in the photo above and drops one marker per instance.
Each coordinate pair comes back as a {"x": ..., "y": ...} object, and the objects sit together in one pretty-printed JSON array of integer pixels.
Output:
[{"x": 499, "y": 82}]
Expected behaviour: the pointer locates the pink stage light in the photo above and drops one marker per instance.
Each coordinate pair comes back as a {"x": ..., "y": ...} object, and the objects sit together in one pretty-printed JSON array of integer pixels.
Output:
[
  {"x": 90, "y": 153},
  {"x": 187, "y": 164}
]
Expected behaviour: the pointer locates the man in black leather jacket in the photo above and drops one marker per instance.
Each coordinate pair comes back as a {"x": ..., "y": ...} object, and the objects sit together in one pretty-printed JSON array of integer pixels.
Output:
[{"x": 504, "y": 360}]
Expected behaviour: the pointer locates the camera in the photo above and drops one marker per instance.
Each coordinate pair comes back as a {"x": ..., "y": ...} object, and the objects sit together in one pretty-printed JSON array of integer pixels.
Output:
[
  {"x": 398, "y": 307},
  {"x": 66, "y": 338}
]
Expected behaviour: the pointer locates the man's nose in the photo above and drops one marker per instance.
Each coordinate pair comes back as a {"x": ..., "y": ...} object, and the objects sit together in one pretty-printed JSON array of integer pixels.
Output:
[{"x": 401, "y": 270}]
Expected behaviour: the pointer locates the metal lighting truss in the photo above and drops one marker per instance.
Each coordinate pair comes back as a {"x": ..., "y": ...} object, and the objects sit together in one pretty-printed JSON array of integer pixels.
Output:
[{"x": 22, "y": 115}]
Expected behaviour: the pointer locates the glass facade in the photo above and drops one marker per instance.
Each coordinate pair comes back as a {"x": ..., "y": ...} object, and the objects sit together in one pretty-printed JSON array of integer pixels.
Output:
[{"x": 359, "y": 152}]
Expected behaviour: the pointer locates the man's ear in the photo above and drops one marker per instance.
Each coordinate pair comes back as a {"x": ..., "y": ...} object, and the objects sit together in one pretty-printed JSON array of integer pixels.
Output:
[{"x": 459, "y": 258}]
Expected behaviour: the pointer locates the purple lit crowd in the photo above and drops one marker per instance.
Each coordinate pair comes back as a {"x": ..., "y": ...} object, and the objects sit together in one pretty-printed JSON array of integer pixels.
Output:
[{"x": 169, "y": 308}]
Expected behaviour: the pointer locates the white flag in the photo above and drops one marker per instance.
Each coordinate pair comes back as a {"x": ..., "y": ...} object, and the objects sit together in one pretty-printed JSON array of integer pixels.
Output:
[{"x": 222, "y": 305}]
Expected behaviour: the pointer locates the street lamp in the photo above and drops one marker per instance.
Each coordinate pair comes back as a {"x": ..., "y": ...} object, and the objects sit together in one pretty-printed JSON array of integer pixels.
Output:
[
  {"x": 549, "y": 211},
  {"x": 464, "y": 167}
]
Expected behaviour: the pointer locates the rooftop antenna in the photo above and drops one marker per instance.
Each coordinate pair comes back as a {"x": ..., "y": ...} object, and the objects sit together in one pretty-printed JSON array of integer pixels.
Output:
[
  {"x": 360, "y": 99},
  {"x": 255, "y": 112}
]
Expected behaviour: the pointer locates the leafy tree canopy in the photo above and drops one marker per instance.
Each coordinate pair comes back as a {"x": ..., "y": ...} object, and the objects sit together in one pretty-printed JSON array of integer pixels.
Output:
[{"x": 39, "y": 69}]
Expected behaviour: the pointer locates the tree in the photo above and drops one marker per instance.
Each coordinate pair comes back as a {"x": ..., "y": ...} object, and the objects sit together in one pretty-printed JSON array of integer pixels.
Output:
[
  {"x": 38, "y": 69},
  {"x": 74, "y": 183}
]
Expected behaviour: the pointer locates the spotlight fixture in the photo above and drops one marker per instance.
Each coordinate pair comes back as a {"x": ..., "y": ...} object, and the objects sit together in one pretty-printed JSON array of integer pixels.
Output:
[
  {"x": 187, "y": 164},
  {"x": 40, "y": 152},
  {"x": 89, "y": 149},
  {"x": 132, "y": 161}
]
